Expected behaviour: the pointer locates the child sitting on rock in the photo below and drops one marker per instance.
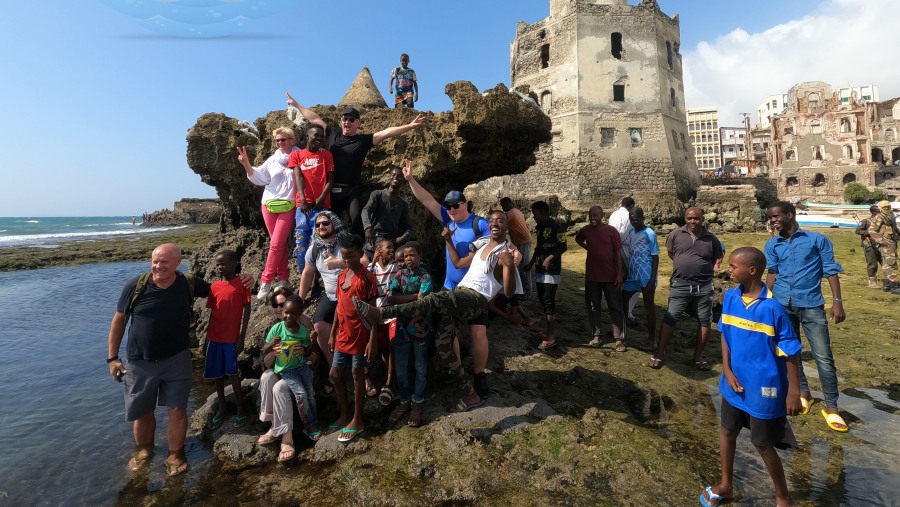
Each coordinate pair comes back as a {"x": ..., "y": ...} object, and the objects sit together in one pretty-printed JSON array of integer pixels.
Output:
[{"x": 291, "y": 340}]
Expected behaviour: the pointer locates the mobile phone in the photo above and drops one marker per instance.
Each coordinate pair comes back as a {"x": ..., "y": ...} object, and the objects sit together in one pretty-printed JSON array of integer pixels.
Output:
[{"x": 119, "y": 375}]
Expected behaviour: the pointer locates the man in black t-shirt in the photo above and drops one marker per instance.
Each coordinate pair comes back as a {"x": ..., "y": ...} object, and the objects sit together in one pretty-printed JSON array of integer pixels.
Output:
[
  {"x": 349, "y": 149},
  {"x": 159, "y": 359}
]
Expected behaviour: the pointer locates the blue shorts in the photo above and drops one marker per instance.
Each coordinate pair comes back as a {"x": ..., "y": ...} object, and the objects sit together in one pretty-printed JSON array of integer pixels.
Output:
[
  {"x": 221, "y": 360},
  {"x": 343, "y": 360},
  {"x": 634, "y": 285}
]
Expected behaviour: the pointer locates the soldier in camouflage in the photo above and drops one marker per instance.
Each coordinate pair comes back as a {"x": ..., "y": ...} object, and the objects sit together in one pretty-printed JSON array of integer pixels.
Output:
[{"x": 883, "y": 231}]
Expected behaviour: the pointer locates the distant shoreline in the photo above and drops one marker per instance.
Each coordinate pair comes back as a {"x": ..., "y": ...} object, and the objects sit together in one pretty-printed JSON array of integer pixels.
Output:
[{"x": 119, "y": 249}]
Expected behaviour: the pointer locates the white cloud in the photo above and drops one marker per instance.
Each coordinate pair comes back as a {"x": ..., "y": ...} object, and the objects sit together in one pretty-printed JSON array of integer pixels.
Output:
[{"x": 845, "y": 43}]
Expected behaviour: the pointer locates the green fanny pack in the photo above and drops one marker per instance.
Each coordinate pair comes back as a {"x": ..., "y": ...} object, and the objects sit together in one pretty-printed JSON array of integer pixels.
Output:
[{"x": 279, "y": 205}]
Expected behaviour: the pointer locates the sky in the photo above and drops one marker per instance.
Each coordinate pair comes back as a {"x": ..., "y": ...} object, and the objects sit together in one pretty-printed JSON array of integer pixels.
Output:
[{"x": 96, "y": 101}]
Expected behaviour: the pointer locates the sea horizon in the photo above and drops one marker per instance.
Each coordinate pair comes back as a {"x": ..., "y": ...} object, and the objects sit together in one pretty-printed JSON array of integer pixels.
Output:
[{"x": 51, "y": 231}]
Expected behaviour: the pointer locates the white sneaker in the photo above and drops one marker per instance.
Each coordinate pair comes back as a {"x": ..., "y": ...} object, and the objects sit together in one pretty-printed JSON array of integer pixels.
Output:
[{"x": 263, "y": 291}]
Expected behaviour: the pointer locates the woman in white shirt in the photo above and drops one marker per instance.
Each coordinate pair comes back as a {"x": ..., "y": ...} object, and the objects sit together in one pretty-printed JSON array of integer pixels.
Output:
[{"x": 278, "y": 201}]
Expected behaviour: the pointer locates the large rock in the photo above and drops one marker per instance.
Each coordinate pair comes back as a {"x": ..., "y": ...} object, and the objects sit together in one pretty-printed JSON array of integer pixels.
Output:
[{"x": 486, "y": 134}]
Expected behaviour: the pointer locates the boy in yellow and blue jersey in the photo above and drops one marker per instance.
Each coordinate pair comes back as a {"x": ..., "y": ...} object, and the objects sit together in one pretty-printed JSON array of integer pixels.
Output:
[{"x": 760, "y": 383}]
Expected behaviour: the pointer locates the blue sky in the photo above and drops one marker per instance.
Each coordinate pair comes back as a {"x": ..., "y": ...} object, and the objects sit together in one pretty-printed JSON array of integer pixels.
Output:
[{"x": 96, "y": 107}]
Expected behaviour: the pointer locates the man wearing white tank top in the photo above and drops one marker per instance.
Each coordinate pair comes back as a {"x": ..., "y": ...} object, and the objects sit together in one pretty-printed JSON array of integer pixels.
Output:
[{"x": 491, "y": 270}]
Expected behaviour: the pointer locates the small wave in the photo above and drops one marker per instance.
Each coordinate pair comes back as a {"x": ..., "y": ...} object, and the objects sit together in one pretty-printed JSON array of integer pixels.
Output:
[
  {"x": 28, "y": 221},
  {"x": 22, "y": 240},
  {"x": 3, "y": 230}
]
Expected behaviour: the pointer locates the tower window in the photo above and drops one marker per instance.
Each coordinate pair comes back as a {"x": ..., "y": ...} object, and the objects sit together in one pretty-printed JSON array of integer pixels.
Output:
[
  {"x": 545, "y": 56},
  {"x": 619, "y": 93},
  {"x": 672, "y": 97},
  {"x": 669, "y": 53},
  {"x": 616, "y": 41}
]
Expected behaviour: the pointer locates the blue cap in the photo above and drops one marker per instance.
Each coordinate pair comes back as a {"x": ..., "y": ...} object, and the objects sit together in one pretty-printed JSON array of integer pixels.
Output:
[{"x": 453, "y": 197}]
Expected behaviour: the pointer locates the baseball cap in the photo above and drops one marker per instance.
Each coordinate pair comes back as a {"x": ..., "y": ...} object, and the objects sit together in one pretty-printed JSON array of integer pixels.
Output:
[
  {"x": 454, "y": 197},
  {"x": 350, "y": 111},
  {"x": 884, "y": 204}
]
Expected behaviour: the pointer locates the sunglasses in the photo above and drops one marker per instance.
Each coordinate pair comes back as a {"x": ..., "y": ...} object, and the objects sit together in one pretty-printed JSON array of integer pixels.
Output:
[
  {"x": 283, "y": 140},
  {"x": 452, "y": 206},
  {"x": 348, "y": 119},
  {"x": 322, "y": 224},
  {"x": 279, "y": 305}
]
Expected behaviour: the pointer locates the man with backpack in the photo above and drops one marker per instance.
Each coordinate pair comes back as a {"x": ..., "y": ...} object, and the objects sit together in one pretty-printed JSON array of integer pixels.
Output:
[
  {"x": 159, "y": 305},
  {"x": 454, "y": 215}
]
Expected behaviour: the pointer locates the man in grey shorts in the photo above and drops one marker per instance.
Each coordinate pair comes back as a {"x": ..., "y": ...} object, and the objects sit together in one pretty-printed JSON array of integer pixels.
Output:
[
  {"x": 695, "y": 254},
  {"x": 159, "y": 359}
]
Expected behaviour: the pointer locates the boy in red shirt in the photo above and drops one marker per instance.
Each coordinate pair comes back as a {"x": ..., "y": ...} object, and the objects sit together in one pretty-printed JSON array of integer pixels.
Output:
[
  {"x": 313, "y": 176},
  {"x": 351, "y": 341},
  {"x": 230, "y": 304}
]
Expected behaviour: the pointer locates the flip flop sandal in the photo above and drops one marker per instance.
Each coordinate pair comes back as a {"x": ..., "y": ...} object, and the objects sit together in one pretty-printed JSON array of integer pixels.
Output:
[
  {"x": 140, "y": 457},
  {"x": 655, "y": 363},
  {"x": 266, "y": 439},
  {"x": 547, "y": 344},
  {"x": 386, "y": 397},
  {"x": 702, "y": 365},
  {"x": 291, "y": 453},
  {"x": 805, "y": 403},
  {"x": 595, "y": 342},
  {"x": 240, "y": 421},
  {"x": 315, "y": 435},
  {"x": 832, "y": 420},
  {"x": 348, "y": 435},
  {"x": 332, "y": 428},
  {"x": 216, "y": 423},
  {"x": 710, "y": 499},
  {"x": 620, "y": 347},
  {"x": 462, "y": 407},
  {"x": 177, "y": 468}
]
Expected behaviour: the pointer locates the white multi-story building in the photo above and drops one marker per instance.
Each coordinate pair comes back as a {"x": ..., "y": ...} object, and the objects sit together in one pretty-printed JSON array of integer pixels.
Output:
[
  {"x": 774, "y": 104},
  {"x": 703, "y": 129},
  {"x": 733, "y": 145}
]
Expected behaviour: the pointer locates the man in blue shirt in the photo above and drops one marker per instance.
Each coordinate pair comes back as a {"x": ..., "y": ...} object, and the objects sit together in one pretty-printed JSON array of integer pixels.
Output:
[{"x": 797, "y": 261}]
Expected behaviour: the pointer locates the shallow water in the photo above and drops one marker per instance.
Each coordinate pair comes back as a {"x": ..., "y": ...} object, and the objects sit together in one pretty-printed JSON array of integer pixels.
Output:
[{"x": 63, "y": 435}]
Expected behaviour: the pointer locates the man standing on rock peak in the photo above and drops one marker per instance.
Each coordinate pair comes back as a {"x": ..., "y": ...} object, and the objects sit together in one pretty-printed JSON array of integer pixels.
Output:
[
  {"x": 349, "y": 149},
  {"x": 158, "y": 304}
]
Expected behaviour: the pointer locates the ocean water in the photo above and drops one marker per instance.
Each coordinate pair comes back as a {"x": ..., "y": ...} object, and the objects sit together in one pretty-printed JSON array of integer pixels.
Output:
[
  {"x": 49, "y": 232},
  {"x": 63, "y": 435}
]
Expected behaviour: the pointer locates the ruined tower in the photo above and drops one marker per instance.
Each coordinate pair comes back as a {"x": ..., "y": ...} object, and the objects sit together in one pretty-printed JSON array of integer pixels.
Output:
[{"x": 609, "y": 76}]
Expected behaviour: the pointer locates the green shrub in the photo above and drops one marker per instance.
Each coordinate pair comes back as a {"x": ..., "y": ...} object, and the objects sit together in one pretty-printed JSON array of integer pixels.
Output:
[{"x": 856, "y": 193}]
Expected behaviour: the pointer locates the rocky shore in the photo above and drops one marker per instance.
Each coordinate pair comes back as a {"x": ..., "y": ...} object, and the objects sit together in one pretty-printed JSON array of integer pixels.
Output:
[
  {"x": 575, "y": 426},
  {"x": 132, "y": 248}
]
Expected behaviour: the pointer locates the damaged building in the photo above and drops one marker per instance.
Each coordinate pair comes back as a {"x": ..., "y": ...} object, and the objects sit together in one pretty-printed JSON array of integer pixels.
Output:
[
  {"x": 609, "y": 76},
  {"x": 823, "y": 141}
]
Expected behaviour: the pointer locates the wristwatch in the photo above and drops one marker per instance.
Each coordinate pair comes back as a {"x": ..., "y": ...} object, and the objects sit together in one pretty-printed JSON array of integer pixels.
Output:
[{"x": 111, "y": 359}]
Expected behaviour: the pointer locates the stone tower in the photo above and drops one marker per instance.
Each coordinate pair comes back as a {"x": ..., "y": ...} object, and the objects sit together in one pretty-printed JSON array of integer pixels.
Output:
[{"x": 609, "y": 76}]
